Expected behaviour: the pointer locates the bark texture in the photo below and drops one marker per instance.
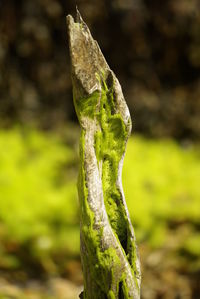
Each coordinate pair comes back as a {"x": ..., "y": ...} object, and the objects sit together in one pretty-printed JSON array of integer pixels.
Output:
[{"x": 108, "y": 248}]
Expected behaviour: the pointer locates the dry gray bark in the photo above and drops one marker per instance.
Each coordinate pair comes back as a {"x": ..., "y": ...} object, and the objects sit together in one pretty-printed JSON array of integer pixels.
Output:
[{"x": 108, "y": 249}]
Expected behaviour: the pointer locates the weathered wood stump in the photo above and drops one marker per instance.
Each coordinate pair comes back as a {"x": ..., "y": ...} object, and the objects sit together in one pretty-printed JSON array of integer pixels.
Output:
[{"x": 108, "y": 248}]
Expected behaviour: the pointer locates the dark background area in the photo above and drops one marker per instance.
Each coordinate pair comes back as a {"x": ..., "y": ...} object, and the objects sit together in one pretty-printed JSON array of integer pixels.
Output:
[{"x": 152, "y": 46}]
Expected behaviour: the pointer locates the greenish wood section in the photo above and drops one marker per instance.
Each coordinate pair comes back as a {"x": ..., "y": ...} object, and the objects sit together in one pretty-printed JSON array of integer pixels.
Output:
[{"x": 108, "y": 248}]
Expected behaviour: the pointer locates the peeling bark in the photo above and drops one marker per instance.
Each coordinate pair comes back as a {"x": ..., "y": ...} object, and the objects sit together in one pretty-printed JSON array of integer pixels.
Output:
[{"x": 108, "y": 248}]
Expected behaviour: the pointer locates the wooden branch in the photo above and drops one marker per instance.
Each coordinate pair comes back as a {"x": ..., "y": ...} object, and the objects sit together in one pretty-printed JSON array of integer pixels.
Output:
[{"x": 108, "y": 249}]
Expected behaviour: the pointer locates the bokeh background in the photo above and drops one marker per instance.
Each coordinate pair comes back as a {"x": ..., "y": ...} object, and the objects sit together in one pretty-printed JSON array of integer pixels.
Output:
[{"x": 154, "y": 49}]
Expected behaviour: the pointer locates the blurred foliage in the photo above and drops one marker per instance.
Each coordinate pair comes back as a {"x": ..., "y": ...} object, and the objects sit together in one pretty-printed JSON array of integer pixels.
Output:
[
  {"x": 38, "y": 196},
  {"x": 163, "y": 178},
  {"x": 39, "y": 222},
  {"x": 159, "y": 69}
]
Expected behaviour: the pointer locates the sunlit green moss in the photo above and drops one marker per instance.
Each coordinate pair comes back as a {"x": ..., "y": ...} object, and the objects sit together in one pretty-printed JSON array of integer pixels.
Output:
[
  {"x": 38, "y": 199},
  {"x": 161, "y": 185},
  {"x": 103, "y": 265}
]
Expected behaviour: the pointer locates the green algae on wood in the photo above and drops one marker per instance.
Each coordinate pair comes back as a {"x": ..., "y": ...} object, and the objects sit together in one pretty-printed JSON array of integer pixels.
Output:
[{"x": 108, "y": 248}]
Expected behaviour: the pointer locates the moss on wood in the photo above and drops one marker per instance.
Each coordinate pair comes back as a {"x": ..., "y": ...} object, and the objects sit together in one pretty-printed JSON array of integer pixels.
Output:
[{"x": 108, "y": 249}]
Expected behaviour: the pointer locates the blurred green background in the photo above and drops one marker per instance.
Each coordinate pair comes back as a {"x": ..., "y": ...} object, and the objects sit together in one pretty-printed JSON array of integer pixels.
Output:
[{"x": 154, "y": 49}]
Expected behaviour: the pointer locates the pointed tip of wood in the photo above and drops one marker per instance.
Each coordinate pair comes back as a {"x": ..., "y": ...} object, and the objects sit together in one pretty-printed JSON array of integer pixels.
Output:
[
  {"x": 79, "y": 18},
  {"x": 69, "y": 19},
  {"x": 87, "y": 59}
]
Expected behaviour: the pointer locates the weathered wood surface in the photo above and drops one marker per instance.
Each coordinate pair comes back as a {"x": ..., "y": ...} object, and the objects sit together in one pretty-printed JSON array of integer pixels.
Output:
[{"x": 108, "y": 248}]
